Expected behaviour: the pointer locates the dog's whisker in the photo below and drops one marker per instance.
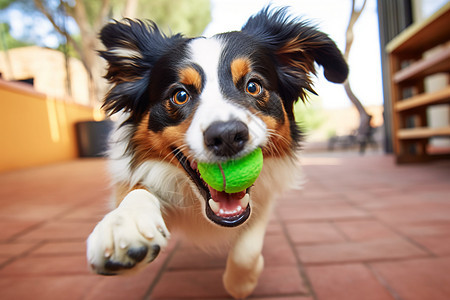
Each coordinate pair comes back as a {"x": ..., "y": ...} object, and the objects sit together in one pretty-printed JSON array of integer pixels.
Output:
[{"x": 176, "y": 109}]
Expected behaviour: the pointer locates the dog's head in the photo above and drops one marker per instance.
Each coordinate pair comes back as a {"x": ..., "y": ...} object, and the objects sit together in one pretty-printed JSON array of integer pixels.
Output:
[{"x": 215, "y": 99}]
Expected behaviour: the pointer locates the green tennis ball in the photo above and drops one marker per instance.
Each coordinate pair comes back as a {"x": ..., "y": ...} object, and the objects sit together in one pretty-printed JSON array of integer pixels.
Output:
[{"x": 233, "y": 176}]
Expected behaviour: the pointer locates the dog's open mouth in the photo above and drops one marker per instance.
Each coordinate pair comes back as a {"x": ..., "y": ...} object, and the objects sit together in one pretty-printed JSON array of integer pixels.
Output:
[{"x": 222, "y": 208}]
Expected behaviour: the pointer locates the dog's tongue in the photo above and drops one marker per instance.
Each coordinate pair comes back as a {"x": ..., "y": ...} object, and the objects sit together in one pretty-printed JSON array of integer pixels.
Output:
[
  {"x": 228, "y": 205},
  {"x": 223, "y": 197}
]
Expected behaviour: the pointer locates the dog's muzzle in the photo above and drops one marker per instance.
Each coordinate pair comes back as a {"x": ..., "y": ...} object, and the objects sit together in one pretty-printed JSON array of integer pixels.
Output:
[{"x": 224, "y": 140}]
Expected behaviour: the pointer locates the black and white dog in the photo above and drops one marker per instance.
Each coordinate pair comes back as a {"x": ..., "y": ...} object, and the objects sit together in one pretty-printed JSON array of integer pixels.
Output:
[{"x": 186, "y": 100}]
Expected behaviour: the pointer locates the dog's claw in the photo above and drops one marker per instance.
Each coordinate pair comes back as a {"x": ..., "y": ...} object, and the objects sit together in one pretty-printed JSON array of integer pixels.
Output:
[
  {"x": 156, "y": 250},
  {"x": 117, "y": 266},
  {"x": 116, "y": 249},
  {"x": 162, "y": 231},
  {"x": 138, "y": 254}
]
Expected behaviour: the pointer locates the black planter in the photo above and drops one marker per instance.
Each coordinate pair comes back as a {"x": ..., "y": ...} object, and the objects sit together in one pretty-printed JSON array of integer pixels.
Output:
[{"x": 92, "y": 137}]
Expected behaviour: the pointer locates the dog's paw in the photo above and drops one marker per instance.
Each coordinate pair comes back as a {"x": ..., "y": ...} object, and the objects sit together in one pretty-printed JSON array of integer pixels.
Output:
[{"x": 128, "y": 237}]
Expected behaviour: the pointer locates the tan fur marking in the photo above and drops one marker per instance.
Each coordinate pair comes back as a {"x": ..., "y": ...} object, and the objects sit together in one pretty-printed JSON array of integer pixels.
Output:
[
  {"x": 190, "y": 76},
  {"x": 158, "y": 145},
  {"x": 280, "y": 139},
  {"x": 239, "y": 68},
  {"x": 297, "y": 45}
]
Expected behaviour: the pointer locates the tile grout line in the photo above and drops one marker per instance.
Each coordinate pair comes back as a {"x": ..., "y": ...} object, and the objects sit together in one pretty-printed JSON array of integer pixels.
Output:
[
  {"x": 161, "y": 272},
  {"x": 46, "y": 221},
  {"x": 410, "y": 240},
  {"x": 383, "y": 282},
  {"x": 300, "y": 267},
  {"x": 24, "y": 254},
  {"x": 364, "y": 261},
  {"x": 26, "y": 231},
  {"x": 396, "y": 231},
  {"x": 333, "y": 224}
]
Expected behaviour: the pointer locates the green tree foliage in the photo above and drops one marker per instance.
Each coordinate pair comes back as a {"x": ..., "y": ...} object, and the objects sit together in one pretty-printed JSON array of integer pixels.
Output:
[
  {"x": 5, "y": 3},
  {"x": 7, "y": 41},
  {"x": 309, "y": 115},
  {"x": 189, "y": 17}
]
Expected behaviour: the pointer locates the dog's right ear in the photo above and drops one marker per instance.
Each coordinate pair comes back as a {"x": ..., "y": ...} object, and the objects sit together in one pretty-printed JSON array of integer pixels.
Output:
[
  {"x": 296, "y": 47},
  {"x": 132, "y": 49}
]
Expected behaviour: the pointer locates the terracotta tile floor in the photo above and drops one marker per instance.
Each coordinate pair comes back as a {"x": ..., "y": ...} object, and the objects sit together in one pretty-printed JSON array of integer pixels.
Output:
[{"x": 362, "y": 228}]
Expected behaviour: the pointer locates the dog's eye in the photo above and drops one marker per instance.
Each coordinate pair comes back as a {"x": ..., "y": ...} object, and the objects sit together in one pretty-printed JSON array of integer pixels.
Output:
[
  {"x": 253, "y": 88},
  {"x": 180, "y": 97}
]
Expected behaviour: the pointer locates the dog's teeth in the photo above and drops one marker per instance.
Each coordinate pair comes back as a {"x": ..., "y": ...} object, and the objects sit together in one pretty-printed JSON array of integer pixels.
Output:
[
  {"x": 214, "y": 206},
  {"x": 244, "y": 201}
]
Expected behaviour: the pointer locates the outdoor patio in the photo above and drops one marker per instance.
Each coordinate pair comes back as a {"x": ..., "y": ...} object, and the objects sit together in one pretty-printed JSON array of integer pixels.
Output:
[{"x": 362, "y": 228}]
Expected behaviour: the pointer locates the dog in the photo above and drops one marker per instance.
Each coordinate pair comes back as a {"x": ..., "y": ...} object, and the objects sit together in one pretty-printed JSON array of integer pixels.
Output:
[{"x": 183, "y": 100}]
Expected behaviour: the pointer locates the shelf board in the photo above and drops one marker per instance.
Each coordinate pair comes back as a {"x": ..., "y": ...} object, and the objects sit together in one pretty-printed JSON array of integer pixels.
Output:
[
  {"x": 436, "y": 63},
  {"x": 422, "y": 133},
  {"x": 422, "y": 100},
  {"x": 425, "y": 35}
]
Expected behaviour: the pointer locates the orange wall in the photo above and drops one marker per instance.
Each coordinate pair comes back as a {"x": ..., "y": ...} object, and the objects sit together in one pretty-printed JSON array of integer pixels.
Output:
[{"x": 35, "y": 129}]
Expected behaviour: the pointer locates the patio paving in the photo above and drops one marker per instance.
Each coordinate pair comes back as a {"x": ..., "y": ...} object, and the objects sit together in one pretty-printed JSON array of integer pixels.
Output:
[{"x": 361, "y": 228}]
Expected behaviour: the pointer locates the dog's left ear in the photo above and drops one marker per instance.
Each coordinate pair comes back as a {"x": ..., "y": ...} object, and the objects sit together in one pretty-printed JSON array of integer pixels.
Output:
[
  {"x": 132, "y": 49},
  {"x": 296, "y": 46}
]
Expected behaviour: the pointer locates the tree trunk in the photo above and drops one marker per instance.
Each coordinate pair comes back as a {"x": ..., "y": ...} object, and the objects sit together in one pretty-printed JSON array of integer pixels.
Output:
[
  {"x": 89, "y": 43},
  {"x": 88, "y": 47},
  {"x": 364, "y": 129},
  {"x": 130, "y": 9}
]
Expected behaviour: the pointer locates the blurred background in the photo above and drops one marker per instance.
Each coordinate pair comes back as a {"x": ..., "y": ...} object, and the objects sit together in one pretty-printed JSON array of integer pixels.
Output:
[
  {"x": 369, "y": 223},
  {"x": 48, "y": 52}
]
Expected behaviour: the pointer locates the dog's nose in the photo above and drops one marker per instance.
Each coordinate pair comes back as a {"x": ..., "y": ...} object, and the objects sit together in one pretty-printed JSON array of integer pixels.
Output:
[{"x": 226, "y": 138}]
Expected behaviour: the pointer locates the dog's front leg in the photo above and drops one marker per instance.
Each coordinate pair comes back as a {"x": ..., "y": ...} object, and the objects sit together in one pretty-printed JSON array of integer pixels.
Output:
[
  {"x": 128, "y": 237},
  {"x": 245, "y": 261}
]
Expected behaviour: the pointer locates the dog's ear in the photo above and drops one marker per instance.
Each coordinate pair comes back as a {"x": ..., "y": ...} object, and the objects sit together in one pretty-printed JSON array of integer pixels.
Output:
[
  {"x": 132, "y": 49},
  {"x": 296, "y": 46}
]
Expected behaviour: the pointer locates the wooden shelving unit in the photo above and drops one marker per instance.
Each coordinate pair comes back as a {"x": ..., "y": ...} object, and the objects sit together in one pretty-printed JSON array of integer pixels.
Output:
[
  {"x": 424, "y": 100},
  {"x": 411, "y": 61}
]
